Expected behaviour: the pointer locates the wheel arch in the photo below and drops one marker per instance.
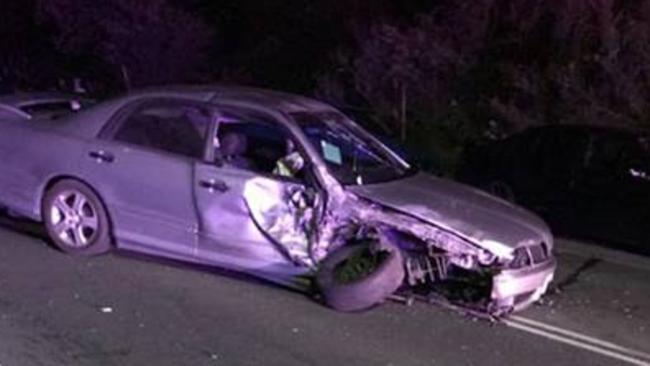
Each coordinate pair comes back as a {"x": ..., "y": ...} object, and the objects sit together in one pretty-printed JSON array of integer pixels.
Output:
[{"x": 52, "y": 181}]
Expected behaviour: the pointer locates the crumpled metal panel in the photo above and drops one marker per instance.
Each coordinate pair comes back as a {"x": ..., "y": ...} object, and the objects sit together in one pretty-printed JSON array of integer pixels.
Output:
[
  {"x": 376, "y": 215},
  {"x": 459, "y": 209},
  {"x": 284, "y": 212}
]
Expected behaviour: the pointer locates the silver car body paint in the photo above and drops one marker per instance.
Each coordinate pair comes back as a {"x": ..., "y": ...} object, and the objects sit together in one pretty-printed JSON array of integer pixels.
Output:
[
  {"x": 172, "y": 206},
  {"x": 465, "y": 211}
]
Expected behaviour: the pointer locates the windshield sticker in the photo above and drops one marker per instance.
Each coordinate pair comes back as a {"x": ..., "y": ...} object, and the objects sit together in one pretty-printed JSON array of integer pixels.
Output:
[{"x": 331, "y": 153}]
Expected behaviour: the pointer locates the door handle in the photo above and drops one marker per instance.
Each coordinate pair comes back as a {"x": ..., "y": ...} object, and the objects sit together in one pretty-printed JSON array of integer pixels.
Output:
[
  {"x": 214, "y": 185},
  {"x": 102, "y": 156}
]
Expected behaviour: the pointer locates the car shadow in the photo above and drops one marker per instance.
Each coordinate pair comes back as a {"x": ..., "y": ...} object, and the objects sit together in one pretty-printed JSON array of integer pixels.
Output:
[
  {"x": 37, "y": 230},
  {"x": 308, "y": 293},
  {"x": 23, "y": 226}
]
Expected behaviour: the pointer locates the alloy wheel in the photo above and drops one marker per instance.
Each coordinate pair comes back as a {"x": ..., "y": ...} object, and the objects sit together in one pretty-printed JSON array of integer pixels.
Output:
[{"x": 73, "y": 218}]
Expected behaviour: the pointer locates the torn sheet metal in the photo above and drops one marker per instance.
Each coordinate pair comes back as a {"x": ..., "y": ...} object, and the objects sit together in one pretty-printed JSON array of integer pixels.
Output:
[
  {"x": 287, "y": 214},
  {"x": 372, "y": 214}
]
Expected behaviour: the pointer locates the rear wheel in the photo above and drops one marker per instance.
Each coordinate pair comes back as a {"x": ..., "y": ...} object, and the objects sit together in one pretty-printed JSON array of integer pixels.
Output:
[{"x": 75, "y": 219}]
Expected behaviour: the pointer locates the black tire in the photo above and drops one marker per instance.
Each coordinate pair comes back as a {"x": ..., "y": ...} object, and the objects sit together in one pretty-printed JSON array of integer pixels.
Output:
[
  {"x": 363, "y": 293},
  {"x": 84, "y": 228}
]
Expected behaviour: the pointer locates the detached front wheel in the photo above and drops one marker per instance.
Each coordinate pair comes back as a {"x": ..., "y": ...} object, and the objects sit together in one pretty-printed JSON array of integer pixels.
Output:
[
  {"x": 75, "y": 219},
  {"x": 356, "y": 277}
]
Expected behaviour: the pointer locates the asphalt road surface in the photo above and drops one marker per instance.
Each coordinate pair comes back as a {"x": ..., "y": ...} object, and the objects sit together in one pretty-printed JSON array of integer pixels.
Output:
[{"x": 121, "y": 309}]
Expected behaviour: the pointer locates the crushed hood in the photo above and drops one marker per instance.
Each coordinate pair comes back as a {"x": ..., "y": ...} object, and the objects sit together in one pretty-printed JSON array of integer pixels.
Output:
[{"x": 468, "y": 212}]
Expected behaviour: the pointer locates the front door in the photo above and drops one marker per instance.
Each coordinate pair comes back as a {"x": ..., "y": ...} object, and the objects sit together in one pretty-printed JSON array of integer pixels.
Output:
[
  {"x": 256, "y": 208},
  {"x": 605, "y": 189}
]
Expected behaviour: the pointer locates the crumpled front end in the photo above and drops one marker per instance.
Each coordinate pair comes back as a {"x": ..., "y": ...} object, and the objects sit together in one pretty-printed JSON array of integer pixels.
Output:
[
  {"x": 486, "y": 276},
  {"x": 495, "y": 279}
]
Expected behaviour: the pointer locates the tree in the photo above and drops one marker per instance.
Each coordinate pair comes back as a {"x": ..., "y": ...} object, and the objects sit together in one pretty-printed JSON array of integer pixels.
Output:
[
  {"x": 605, "y": 77},
  {"x": 25, "y": 59},
  {"x": 463, "y": 63},
  {"x": 461, "y": 69},
  {"x": 144, "y": 42},
  {"x": 406, "y": 75}
]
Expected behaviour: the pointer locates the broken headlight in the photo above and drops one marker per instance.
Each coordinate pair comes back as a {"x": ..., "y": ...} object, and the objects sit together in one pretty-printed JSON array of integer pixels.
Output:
[
  {"x": 467, "y": 261},
  {"x": 461, "y": 253},
  {"x": 486, "y": 258},
  {"x": 463, "y": 261}
]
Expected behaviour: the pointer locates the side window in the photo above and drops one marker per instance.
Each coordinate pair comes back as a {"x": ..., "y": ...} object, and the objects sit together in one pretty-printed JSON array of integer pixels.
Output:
[
  {"x": 254, "y": 142},
  {"x": 521, "y": 156},
  {"x": 611, "y": 152},
  {"x": 568, "y": 145},
  {"x": 171, "y": 127}
]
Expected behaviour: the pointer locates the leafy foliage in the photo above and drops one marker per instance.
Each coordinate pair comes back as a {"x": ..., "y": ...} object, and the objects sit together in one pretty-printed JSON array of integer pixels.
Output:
[
  {"x": 467, "y": 72},
  {"x": 435, "y": 74},
  {"x": 25, "y": 58},
  {"x": 148, "y": 42}
]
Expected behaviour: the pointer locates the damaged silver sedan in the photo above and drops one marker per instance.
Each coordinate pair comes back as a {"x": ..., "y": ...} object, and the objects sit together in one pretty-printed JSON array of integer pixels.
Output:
[{"x": 275, "y": 185}]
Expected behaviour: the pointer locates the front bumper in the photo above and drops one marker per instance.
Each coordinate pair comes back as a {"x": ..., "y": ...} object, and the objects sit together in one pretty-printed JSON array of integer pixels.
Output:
[{"x": 519, "y": 288}]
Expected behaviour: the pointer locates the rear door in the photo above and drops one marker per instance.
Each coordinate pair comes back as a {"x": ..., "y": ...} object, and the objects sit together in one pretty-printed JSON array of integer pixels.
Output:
[
  {"x": 521, "y": 160},
  {"x": 10, "y": 190},
  {"x": 559, "y": 160},
  {"x": 601, "y": 188},
  {"x": 635, "y": 168},
  {"x": 257, "y": 210},
  {"x": 144, "y": 167}
]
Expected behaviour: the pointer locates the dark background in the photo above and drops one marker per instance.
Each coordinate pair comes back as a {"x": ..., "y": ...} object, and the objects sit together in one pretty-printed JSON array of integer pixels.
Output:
[{"x": 436, "y": 75}]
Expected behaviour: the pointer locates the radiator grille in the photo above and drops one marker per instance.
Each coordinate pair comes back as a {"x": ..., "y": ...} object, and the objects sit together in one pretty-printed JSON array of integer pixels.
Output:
[{"x": 529, "y": 255}]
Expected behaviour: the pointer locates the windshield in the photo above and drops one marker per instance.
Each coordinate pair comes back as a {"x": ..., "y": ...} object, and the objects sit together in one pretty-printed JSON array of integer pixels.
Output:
[{"x": 351, "y": 154}]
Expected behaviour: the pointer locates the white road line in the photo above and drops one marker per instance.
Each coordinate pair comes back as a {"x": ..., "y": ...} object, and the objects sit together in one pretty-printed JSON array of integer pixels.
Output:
[
  {"x": 580, "y": 342},
  {"x": 582, "y": 337}
]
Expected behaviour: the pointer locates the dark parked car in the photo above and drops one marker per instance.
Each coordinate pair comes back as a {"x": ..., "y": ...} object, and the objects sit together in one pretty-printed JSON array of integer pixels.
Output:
[
  {"x": 586, "y": 181},
  {"x": 48, "y": 105},
  {"x": 275, "y": 185}
]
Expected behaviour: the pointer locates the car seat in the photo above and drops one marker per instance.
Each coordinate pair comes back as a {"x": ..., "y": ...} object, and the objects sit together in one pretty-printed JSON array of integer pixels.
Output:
[{"x": 234, "y": 147}]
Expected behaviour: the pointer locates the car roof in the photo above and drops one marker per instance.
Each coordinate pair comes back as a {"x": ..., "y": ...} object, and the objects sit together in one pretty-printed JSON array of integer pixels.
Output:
[
  {"x": 89, "y": 122},
  {"x": 218, "y": 93}
]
